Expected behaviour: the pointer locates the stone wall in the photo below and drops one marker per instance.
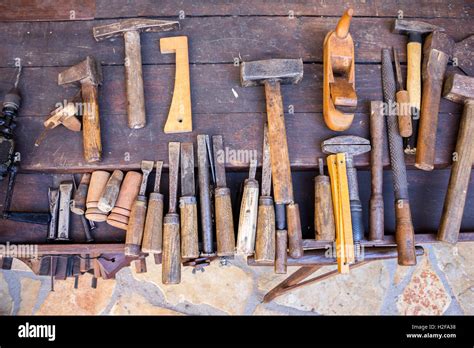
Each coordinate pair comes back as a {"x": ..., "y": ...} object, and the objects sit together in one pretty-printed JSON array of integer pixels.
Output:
[{"x": 441, "y": 283}]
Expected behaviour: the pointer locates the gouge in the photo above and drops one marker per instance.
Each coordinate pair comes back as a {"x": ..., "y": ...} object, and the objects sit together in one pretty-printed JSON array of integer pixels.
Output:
[
  {"x": 171, "y": 270},
  {"x": 188, "y": 204},
  {"x": 323, "y": 209},
  {"x": 265, "y": 244},
  {"x": 225, "y": 235},
  {"x": 153, "y": 233},
  {"x": 136, "y": 224}
]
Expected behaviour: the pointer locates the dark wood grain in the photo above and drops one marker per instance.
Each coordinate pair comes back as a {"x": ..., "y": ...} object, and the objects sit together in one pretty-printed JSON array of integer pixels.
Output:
[{"x": 47, "y": 10}]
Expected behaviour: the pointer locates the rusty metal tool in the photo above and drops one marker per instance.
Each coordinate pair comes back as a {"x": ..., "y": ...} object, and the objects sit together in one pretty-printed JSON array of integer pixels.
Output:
[
  {"x": 130, "y": 29},
  {"x": 403, "y": 104},
  {"x": 225, "y": 234},
  {"x": 404, "y": 233},
  {"x": 459, "y": 89},
  {"x": 205, "y": 201},
  {"x": 171, "y": 269},
  {"x": 323, "y": 209},
  {"x": 86, "y": 224},
  {"x": 89, "y": 74},
  {"x": 153, "y": 232},
  {"x": 65, "y": 193},
  {"x": 53, "y": 197},
  {"x": 339, "y": 74},
  {"x": 351, "y": 146},
  {"x": 437, "y": 50}
]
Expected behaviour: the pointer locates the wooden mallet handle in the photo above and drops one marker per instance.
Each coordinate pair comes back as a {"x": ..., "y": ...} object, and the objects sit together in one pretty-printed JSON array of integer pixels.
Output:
[{"x": 91, "y": 124}]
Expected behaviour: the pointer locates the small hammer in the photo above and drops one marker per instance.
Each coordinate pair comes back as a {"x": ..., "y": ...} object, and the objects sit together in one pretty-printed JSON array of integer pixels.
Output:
[
  {"x": 130, "y": 29},
  {"x": 272, "y": 73},
  {"x": 88, "y": 73}
]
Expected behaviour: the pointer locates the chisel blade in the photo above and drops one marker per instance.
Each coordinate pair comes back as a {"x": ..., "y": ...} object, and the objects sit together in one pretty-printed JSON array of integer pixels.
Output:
[
  {"x": 173, "y": 154},
  {"x": 219, "y": 160},
  {"x": 159, "y": 169},
  {"x": 187, "y": 170}
]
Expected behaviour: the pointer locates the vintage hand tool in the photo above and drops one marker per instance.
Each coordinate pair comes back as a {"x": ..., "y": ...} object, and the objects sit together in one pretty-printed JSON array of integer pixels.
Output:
[
  {"x": 89, "y": 74},
  {"x": 323, "y": 210},
  {"x": 180, "y": 114},
  {"x": 171, "y": 269},
  {"x": 65, "y": 192},
  {"x": 53, "y": 198},
  {"x": 403, "y": 103},
  {"x": 97, "y": 185},
  {"x": 225, "y": 234},
  {"x": 404, "y": 227},
  {"x": 464, "y": 54},
  {"x": 87, "y": 225},
  {"x": 342, "y": 215},
  {"x": 415, "y": 30},
  {"x": 281, "y": 240},
  {"x": 377, "y": 131},
  {"x": 437, "y": 50},
  {"x": 351, "y": 146},
  {"x": 248, "y": 214},
  {"x": 339, "y": 74},
  {"x": 136, "y": 224},
  {"x": 119, "y": 216},
  {"x": 130, "y": 29},
  {"x": 459, "y": 89},
  {"x": 153, "y": 232},
  {"x": 204, "y": 161},
  {"x": 111, "y": 190},
  {"x": 265, "y": 243},
  {"x": 271, "y": 73},
  {"x": 188, "y": 204},
  {"x": 78, "y": 205}
]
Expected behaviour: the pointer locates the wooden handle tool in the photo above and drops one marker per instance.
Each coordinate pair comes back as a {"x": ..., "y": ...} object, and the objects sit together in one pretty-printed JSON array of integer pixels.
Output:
[
  {"x": 281, "y": 243},
  {"x": 65, "y": 193},
  {"x": 180, "y": 116},
  {"x": 403, "y": 101},
  {"x": 323, "y": 208},
  {"x": 265, "y": 243},
  {"x": 205, "y": 202},
  {"x": 53, "y": 197},
  {"x": 248, "y": 214},
  {"x": 119, "y": 216},
  {"x": 225, "y": 234},
  {"x": 97, "y": 184},
  {"x": 136, "y": 224},
  {"x": 78, "y": 205},
  {"x": 171, "y": 270},
  {"x": 153, "y": 232},
  {"x": 111, "y": 191}
]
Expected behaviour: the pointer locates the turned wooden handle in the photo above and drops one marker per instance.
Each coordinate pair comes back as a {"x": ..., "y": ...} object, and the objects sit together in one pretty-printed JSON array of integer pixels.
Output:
[
  {"x": 459, "y": 180},
  {"x": 136, "y": 224},
  {"x": 111, "y": 191},
  {"x": 265, "y": 243},
  {"x": 225, "y": 234},
  {"x": 342, "y": 28},
  {"x": 120, "y": 213},
  {"x": 414, "y": 74},
  {"x": 171, "y": 259},
  {"x": 96, "y": 187},
  {"x": 153, "y": 232},
  {"x": 134, "y": 80},
  {"x": 404, "y": 115},
  {"x": 78, "y": 205},
  {"x": 189, "y": 227},
  {"x": 281, "y": 254},
  {"x": 91, "y": 124},
  {"x": 295, "y": 238},
  {"x": 248, "y": 218},
  {"x": 404, "y": 234},
  {"x": 280, "y": 160}
]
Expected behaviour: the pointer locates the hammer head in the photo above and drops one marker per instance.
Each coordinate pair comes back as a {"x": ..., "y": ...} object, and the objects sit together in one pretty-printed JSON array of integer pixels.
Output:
[
  {"x": 351, "y": 145},
  {"x": 136, "y": 24},
  {"x": 286, "y": 71},
  {"x": 438, "y": 41},
  {"x": 459, "y": 88},
  {"x": 87, "y": 71},
  {"x": 402, "y": 26}
]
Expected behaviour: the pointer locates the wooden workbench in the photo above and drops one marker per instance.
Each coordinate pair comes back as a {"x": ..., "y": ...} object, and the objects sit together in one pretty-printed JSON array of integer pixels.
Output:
[{"x": 56, "y": 35}]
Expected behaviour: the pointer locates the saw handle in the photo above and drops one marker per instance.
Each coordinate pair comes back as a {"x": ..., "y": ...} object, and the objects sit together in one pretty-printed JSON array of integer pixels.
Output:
[{"x": 91, "y": 124}]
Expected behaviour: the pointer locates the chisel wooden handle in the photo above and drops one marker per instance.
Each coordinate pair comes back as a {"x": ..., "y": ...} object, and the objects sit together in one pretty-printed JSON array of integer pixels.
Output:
[
  {"x": 459, "y": 180},
  {"x": 96, "y": 187},
  {"x": 265, "y": 244},
  {"x": 120, "y": 213},
  {"x": 281, "y": 253},
  {"x": 323, "y": 209},
  {"x": 153, "y": 232},
  {"x": 91, "y": 124},
  {"x": 404, "y": 114},
  {"x": 136, "y": 224},
  {"x": 404, "y": 234},
  {"x": 78, "y": 205},
  {"x": 189, "y": 227},
  {"x": 171, "y": 269},
  {"x": 248, "y": 218},
  {"x": 111, "y": 192},
  {"x": 225, "y": 234},
  {"x": 295, "y": 238}
]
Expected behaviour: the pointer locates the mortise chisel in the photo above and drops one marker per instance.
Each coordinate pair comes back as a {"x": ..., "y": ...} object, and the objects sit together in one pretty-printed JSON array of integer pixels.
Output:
[{"x": 153, "y": 233}]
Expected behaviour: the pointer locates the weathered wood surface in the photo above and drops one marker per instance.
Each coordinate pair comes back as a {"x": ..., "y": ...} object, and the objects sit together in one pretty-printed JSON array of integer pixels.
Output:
[{"x": 45, "y": 10}]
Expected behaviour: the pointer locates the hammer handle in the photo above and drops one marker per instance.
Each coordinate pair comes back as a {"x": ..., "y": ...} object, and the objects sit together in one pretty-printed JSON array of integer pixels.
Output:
[
  {"x": 281, "y": 171},
  {"x": 414, "y": 73},
  {"x": 134, "y": 80},
  {"x": 91, "y": 124},
  {"x": 459, "y": 180}
]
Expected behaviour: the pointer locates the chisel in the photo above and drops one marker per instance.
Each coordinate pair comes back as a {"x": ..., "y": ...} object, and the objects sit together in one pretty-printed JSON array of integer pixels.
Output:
[
  {"x": 65, "y": 192},
  {"x": 53, "y": 196},
  {"x": 153, "y": 233},
  {"x": 136, "y": 224},
  {"x": 171, "y": 258},
  {"x": 205, "y": 195},
  {"x": 265, "y": 243},
  {"x": 225, "y": 234},
  {"x": 188, "y": 204}
]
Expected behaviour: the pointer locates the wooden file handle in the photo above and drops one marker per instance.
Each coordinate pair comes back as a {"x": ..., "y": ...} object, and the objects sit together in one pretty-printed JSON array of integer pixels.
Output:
[
  {"x": 225, "y": 235},
  {"x": 134, "y": 80},
  {"x": 171, "y": 269},
  {"x": 91, "y": 124},
  {"x": 265, "y": 244},
  {"x": 153, "y": 233},
  {"x": 404, "y": 234},
  {"x": 295, "y": 239},
  {"x": 459, "y": 180},
  {"x": 404, "y": 114},
  {"x": 136, "y": 224},
  {"x": 280, "y": 159},
  {"x": 189, "y": 227}
]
